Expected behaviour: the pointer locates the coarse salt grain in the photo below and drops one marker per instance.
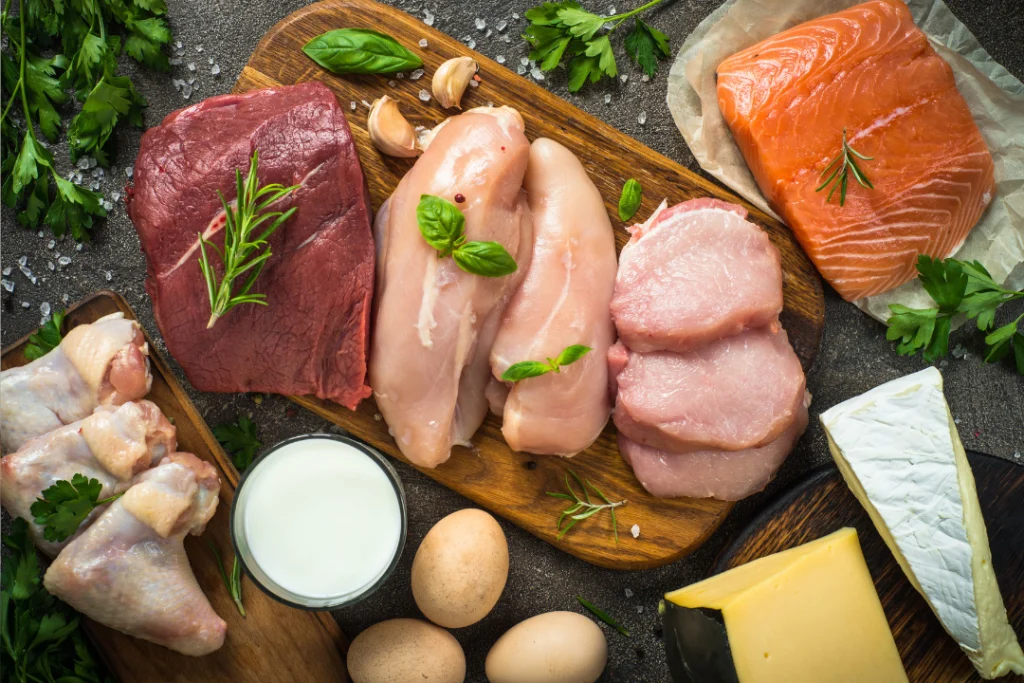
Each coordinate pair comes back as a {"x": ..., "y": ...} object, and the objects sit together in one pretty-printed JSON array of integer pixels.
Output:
[{"x": 635, "y": 530}]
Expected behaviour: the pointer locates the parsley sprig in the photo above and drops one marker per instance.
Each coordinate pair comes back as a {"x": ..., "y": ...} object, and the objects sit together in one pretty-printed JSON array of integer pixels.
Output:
[
  {"x": 62, "y": 508},
  {"x": 47, "y": 338},
  {"x": 958, "y": 288},
  {"x": 563, "y": 30},
  {"x": 40, "y": 637},
  {"x": 84, "y": 48},
  {"x": 240, "y": 440}
]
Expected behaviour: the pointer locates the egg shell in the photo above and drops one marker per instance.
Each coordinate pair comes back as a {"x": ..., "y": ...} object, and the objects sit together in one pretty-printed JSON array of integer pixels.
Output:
[
  {"x": 400, "y": 650},
  {"x": 460, "y": 569},
  {"x": 555, "y": 647}
]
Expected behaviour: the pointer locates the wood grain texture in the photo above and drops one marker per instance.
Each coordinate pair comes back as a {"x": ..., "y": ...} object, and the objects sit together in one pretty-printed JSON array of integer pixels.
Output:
[
  {"x": 822, "y": 504},
  {"x": 511, "y": 484},
  {"x": 273, "y": 643}
]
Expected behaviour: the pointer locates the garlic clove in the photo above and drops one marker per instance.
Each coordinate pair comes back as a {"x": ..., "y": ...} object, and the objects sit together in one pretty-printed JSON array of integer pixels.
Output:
[
  {"x": 451, "y": 80},
  {"x": 390, "y": 132}
]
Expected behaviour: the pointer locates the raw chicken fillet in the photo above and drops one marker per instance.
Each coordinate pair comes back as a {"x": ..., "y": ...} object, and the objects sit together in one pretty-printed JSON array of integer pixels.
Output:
[{"x": 870, "y": 70}]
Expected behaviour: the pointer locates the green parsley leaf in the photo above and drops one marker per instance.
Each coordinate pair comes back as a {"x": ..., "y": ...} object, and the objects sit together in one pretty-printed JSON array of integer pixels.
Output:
[
  {"x": 47, "y": 338},
  {"x": 65, "y": 505},
  {"x": 240, "y": 440},
  {"x": 581, "y": 23},
  {"x": 442, "y": 225},
  {"x": 646, "y": 45},
  {"x": 944, "y": 281},
  {"x": 112, "y": 98},
  {"x": 27, "y": 167},
  {"x": 582, "y": 69},
  {"x": 531, "y": 368},
  {"x": 547, "y": 14},
  {"x": 629, "y": 200},
  {"x": 601, "y": 48},
  {"x": 73, "y": 207}
]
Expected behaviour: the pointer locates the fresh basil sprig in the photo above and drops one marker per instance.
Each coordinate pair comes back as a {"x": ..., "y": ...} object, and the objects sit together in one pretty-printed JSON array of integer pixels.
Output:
[
  {"x": 629, "y": 201},
  {"x": 444, "y": 228},
  {"x": 360, "y": 51},
  {"x": 532, "y": 368}
]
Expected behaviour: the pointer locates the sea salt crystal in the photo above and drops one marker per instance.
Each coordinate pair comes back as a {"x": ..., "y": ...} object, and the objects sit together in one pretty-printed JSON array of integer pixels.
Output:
[
  {"x": 635, "y": 530},
  {"x": 7, "y": 284},
  {"x": 639, "y": 609},
  {"x": 502, "y": 25},
  {"x": 500, "y": 59},
  {"x": 23, "y": 260},
  {"x": 520, "y": 69},
  {"x": 428, "y": 17},
  {"x": 624, "y": 77},
  {"x": 7, "y": 270},
  {"x": 515, "y": 16},
  {"x": 645, "y": 78},
  {"x": 215, "y": 70},
  {"x": 480, "y": 24},
  {"x": 424, "y": 96},
  {"x": 209, "y": 60},
  {"x": 98, "y": 172},
  {"x": 416, "y": 75},
  {"x": 186, "y": 91},
  {"x": 506, "y": 38},
  {"x": 392, "y": 84},
  {"x": 115, "y": 196},
  {"x": 175, "y": 61},
  {"x": 607, "y": 99},
  {"x": 1017, "y": 455},
  {"x": 51, "y": 244},
  {"x": 78, "y": 247},
  {"x": 199, "y": 48},
  {"x": 177, "y": 83},
  {"x": 423, "y": 42},
  {"x": 64, "y": 261},
  {"x": 191, "y": 66},
  {"x": 611, "y": 10},
  {"x": 65, "y": 298},
  {"x": 400, "y": 75},
  {"x": 25, "y": 304},
  {"x": 108, "y": 275},
  {"x": 129, "y": 171},
  {"x": 83, "y": 163},
  {"x": 28, "y": 274},
  {"x": 177, "y": 44},
  {"x": 537, "y": 74},
  {"x": 49, "y": 264},
  {"x": 524, "y": 61},
  {"x": 367, "y": 104},
  {"x": 629, "y": 593},
  {"x": 471, "y": 44},
  {"x": 641, "y": 118},
  {"x": 44, "y": 308},
  {"x": 94, "y": 185},
  {"x": 352, "y": 105}
]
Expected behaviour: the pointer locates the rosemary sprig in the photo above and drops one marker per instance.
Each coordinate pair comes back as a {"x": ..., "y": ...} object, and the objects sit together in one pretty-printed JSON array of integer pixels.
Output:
[
  {"x": 841, "y": 172},
  {"x": 233, "y": 582},
  {"x": 603, "y": 616},
  {"x": 583, "y": 508},
  {"x": 239, "y": 225}
]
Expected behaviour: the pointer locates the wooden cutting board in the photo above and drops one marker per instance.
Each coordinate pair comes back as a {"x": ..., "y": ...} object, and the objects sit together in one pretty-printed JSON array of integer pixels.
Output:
[
  {"x": 273, "y": 643},
  {"x": 511, "y": 484},
  {"x": 822, "y": 504}
]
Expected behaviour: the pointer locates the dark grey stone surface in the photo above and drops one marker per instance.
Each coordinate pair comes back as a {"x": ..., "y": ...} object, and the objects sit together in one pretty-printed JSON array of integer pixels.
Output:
[{"x": 988, "y": 400}]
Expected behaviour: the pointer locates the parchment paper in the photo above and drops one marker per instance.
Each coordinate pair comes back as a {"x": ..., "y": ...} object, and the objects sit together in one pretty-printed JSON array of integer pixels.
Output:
[{"x": 994, "y": 95}]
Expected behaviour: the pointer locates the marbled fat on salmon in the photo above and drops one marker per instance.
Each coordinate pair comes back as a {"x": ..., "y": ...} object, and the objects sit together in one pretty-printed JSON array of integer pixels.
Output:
[{"x": 871, "y": 70}]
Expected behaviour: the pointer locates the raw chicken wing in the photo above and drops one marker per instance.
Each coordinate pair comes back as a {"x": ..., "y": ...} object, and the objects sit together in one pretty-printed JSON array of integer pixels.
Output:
[
  {"x": 429, "y": 365},
  {"x": 105, "y": 363},
  {"x": 112, "y": 445},
  {"x": 563, "y": 301},
  {"x": 129, "y": 570}
]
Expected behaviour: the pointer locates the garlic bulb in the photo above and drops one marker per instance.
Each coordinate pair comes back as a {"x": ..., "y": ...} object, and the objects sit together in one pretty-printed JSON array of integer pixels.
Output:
[
  {"x": 451, "y": 80},
  {"x": 390, "y": 132}
]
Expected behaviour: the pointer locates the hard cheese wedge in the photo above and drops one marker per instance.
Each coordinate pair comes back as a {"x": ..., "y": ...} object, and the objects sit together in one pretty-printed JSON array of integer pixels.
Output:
[
  {"x": 806, "y": 615},
  {"x": 899, "y": 451}
]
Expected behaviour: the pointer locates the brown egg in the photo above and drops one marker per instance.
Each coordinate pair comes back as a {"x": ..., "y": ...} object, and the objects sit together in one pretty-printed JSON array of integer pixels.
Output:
[
  {"x": 460, "y": 569},
  {"x": 555, "y": 647},
  {"x": 406, "y": 650}
]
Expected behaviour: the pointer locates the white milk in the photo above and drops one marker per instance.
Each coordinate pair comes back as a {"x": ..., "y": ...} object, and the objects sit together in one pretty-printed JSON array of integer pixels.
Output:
[{"x": 320, "y": 518}]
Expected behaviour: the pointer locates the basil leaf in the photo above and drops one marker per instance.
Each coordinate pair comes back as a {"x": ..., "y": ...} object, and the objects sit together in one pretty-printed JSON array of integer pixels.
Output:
[
  {"x": 360, "y": 51},
  {"x": 571, "y": 354},
  {"x": 629, "y": 201},
  {"x": 441, "y": 223},
  {"x": 524, "y": 370},
  {"x": 484, "y": 258}
]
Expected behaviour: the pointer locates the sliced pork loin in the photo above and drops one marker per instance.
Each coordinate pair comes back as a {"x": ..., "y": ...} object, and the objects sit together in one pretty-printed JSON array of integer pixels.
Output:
[
  {"x": 312, "y": 337},
  {"x": 736, "y": 393},
  {"x": 694, "y": 273},
  {"x": 725, "y": 475}
]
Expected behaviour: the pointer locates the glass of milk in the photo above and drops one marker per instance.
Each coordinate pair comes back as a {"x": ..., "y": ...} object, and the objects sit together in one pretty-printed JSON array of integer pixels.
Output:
[{"x": 319, "y": 521}]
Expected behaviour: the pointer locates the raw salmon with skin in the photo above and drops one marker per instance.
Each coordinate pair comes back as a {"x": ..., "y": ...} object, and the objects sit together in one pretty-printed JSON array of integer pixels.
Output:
[{"x": 871, "y": 70}]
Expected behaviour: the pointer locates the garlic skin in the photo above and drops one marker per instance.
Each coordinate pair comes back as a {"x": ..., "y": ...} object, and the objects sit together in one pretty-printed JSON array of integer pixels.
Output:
[
  {"x": 451, "y": 80},
  {"x": 389, "y": 131}
]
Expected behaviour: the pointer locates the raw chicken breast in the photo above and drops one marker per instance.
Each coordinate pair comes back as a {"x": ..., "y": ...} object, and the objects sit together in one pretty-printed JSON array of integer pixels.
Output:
[
  {"x": 736, "y": 393},
  {"x": 871, "y": 71},
  {"x": 563, "y": 301},
  {"x": 105, "y": 363},
  {"x": 429, "y": 365},
  {"x": 129, "y": 570},
  {"x": 694, "y": 273},
  {"x": 112, "y": 445},
  {"x": 725, "y": 475}
]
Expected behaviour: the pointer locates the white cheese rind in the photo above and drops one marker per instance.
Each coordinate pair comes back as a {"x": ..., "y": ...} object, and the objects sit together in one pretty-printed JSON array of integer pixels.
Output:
[{"x": 897, "y": 441}]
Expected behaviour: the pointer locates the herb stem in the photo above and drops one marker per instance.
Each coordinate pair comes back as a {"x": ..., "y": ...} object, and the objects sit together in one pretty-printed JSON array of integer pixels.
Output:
[
  {"x": 626, "y": 15},
  {"x": 21, "y": 79},
  {"x": 111, "y": 499}
]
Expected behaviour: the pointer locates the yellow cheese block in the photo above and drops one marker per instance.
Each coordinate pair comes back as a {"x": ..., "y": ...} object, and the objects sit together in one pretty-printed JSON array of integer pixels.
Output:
[{"x": 806, "y": 615}]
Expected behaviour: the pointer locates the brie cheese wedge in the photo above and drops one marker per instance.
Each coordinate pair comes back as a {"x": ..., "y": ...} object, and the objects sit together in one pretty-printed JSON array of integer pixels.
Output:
[{"x": 899, "y": 451}]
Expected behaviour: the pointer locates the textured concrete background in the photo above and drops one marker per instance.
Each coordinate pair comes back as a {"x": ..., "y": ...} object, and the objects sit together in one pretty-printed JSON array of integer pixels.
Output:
[{"x": 218, "y": 36}]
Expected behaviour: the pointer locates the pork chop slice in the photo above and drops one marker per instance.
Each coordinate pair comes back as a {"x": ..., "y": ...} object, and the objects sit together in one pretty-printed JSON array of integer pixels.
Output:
[
  {"x": 725, "y": 475},
  {"x": 732, "y": 394},
  {"x": 694, "y": 273}
]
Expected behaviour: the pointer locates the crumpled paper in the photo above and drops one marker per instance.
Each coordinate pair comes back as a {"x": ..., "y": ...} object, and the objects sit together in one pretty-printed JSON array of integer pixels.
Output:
[{"x": 994, "y": 95}]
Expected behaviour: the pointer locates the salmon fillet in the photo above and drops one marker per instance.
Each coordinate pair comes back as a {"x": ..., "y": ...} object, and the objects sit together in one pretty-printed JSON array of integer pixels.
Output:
[{"x": 871, "y": 70}]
